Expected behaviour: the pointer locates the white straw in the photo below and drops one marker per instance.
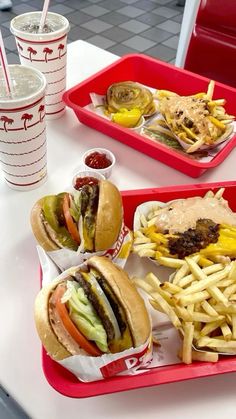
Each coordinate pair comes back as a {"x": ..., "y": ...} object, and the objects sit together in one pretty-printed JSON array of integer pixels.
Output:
[
  {"x": 44, "y": 15},
  {"x": 5, "y": 68}
]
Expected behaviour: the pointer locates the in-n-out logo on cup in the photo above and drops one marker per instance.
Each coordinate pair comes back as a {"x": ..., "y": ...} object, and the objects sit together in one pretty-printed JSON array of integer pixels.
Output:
[
  {"x": 50, "y": 58},
  {"x": 25, "y": 118},
  {"x": 47, "y": 52},
  {"x": 44, "y": 52}
]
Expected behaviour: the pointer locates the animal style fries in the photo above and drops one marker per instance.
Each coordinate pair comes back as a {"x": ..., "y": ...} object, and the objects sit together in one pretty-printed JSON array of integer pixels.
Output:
[
  {"x": 198, "y": 301},
  {"x": 197, "y": 121},
  {"x": 181, "y": 228}
]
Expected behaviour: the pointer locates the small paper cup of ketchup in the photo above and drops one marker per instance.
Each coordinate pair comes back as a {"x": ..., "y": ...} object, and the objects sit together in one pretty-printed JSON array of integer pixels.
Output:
[
  {"x": 99, "y": 160},
  {"x": 85, "y": 177}
]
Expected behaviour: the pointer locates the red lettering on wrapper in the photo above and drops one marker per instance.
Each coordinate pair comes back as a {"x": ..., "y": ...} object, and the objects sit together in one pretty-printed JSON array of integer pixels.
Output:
[
  {"x": 112, "y": 253},
  {"x": 123, "y": 364}
]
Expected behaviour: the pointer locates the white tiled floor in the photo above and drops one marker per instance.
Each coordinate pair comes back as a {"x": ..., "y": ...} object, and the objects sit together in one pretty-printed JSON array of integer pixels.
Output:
[{"x": 120, "y": 26}]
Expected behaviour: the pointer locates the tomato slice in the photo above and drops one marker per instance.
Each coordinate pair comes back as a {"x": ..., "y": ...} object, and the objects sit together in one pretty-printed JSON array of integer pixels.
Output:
[
  {"x": 83, "y": 342},
  {"x": 71, "y": 225}
]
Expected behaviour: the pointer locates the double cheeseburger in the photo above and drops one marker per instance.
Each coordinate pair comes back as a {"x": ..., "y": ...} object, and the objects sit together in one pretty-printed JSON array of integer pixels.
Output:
[
  {"x": 91, "y": 217},
  {"x": 92, "y": 311}
]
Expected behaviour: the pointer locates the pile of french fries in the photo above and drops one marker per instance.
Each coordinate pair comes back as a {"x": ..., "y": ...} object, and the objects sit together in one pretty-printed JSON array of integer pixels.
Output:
[
  {"x": 149, "y": 242},
  {"x": 216, "y": 121},
  {"x": 200, "y": 302}
]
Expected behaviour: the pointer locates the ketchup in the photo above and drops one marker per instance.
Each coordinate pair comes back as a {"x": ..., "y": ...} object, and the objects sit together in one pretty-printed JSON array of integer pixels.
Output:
[
  {"x": 87, "y": 180},
  {"x": 97, "y": 160}
]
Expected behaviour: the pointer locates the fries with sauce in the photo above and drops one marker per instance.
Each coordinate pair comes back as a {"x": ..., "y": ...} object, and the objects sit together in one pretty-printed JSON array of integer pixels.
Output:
[{"x": 196, "y": 121}]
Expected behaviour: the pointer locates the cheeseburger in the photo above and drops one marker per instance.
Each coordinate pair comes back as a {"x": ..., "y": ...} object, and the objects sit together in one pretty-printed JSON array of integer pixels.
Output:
[
  {"x": 90, "y": 218},
  {"x": 91, "y": 311}
]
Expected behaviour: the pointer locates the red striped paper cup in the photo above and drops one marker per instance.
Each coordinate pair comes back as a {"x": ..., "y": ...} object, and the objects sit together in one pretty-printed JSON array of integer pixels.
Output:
[
  {"x": 23, "y": 148},
  {"x": 47, "y": 52}
]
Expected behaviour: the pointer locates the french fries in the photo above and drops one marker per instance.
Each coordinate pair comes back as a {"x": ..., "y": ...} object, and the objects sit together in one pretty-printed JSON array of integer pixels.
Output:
[
  {"x": 201, "y": 356},
  {"x": 195, "y": 120},
  {"x": 198, "y": 304},
  {"x": 150, "y": 242}
]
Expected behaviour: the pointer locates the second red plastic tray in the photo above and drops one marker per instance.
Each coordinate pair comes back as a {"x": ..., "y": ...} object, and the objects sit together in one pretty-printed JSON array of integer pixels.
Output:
[{"x": 159, "y": 75}]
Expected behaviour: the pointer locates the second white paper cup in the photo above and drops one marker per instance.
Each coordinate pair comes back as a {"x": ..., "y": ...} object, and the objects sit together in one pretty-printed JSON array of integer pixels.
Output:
[
  {"x": 23, "y": 146},
  {"x": 46, "y": 52}
]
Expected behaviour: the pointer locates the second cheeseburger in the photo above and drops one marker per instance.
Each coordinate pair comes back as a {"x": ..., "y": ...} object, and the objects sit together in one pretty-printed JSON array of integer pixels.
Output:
[
  {"x": 91, "y": 311},
  {"x": 90, "y": 218}
]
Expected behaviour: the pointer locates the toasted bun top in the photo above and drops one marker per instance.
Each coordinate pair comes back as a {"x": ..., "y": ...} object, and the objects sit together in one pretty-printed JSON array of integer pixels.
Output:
[
  {"x": 128, "y": 296},
  {"x": 36, "y": 221},
  {"x": 109, "y": 216},
  {"x": 41, "y": 315}
]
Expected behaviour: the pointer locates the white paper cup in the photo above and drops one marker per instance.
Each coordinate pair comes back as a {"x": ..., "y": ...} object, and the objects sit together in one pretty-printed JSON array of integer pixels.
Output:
[
  {"x": 23, "y": 150},
  {"x": 46, "y": 52},
  {"x": 107, "y": 170}
]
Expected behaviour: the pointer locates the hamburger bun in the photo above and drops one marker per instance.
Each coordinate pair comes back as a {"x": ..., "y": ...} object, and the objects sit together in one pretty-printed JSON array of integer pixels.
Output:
[
  {"x": 38, "y": 228},
  {"x": 109, "y": 216}
]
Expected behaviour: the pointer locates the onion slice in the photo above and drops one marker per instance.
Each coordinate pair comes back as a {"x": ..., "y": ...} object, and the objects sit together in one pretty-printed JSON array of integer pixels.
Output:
[{"x": 110, "y": 311}]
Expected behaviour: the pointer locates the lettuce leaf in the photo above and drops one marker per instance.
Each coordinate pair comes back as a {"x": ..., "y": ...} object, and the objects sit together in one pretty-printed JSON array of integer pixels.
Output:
[{"x": 84, "y": 316}]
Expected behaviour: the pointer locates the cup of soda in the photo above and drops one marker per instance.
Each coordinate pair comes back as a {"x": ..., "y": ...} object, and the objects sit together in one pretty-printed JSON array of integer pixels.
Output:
[
  {"x": 23, "y": 146},
  {"x": 45, "y": 50}
]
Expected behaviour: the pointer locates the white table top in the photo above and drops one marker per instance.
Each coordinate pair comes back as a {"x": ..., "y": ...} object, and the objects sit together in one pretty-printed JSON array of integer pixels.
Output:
[{"x": 20, "y": 350}]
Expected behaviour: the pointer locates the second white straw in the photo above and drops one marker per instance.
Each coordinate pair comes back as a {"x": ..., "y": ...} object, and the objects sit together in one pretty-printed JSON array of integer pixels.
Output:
[
  {"x": 44, "y": 15},
  {"x": 5, "y": 68}
]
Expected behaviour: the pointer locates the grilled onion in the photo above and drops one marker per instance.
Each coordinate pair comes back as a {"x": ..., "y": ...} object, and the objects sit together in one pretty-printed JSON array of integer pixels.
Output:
[{"x": 129, "y": 95}]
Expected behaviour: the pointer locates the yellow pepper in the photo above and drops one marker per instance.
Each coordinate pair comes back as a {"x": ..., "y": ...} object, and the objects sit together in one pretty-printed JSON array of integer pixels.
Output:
[
  {"x": 225, "y": 245},
  {"x": 127, "y": 118}
]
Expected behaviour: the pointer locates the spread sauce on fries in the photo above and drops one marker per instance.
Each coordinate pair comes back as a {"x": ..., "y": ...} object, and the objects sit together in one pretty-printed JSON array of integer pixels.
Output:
[
  {"x": 190, "y": 112},
  {"x": 177, "y": 230},
  {"x": 182, "y": 214},
  {"x": 196, "y": 120}
]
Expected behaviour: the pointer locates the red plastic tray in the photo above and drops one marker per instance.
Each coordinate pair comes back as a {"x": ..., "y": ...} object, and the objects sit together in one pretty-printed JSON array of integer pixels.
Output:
[
  {"x": 156, "y": 74},
  {"x": 66, "y": 383}
]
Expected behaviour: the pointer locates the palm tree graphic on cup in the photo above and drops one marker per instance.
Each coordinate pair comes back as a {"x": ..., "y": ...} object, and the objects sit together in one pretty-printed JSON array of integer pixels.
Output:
[
  {"x": 47, "y": 51},
  {"x": 40, "y": 111},
  {"x": 31, "y": 51},
  {"x": 6, "y": 121},
  {"x": 26, "y": 117},
  {"x": 60, "y": 49},
  {"x": 19, "y": 46}
]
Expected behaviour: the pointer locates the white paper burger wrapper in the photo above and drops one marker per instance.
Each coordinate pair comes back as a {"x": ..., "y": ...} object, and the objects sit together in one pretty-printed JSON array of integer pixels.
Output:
[
  {"x": 130, "y": 362},
  {"x": 90, "y": 368},
  {"x": 65, "y": 258}
]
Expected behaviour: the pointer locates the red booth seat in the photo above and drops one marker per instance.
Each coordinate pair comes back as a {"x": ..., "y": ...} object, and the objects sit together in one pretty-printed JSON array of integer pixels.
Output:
[{"x": 212, "y": 47}]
